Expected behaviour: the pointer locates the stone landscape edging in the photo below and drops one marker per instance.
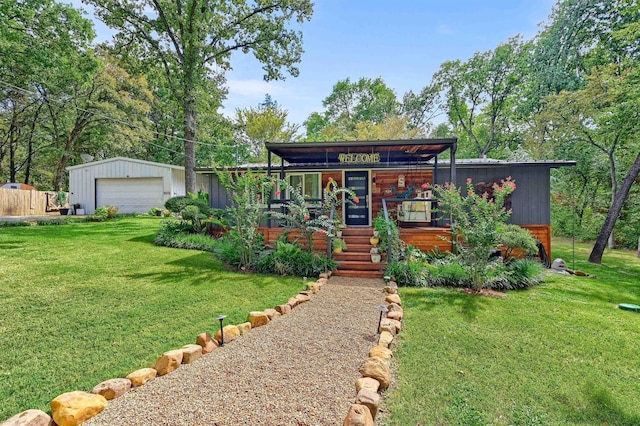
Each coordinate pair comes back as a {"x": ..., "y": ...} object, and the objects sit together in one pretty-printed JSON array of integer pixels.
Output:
[
  {"x": 73, "y": 408},
  {"x": 375, "y": 371}
]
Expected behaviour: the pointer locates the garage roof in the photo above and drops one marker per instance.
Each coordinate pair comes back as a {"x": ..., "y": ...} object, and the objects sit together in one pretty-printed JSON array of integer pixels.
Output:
[{"x": 130, "y": 160}]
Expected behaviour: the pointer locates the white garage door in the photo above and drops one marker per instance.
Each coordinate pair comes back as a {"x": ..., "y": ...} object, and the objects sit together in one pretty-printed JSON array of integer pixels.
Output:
[{"x": 130, "y": 195}]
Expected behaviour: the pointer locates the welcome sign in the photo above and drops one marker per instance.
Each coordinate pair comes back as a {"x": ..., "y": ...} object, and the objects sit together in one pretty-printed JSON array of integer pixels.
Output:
[{"x": 358, "y": 158}]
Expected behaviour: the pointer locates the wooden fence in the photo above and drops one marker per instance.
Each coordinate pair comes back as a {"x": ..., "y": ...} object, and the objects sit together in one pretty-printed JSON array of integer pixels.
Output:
[{"x": 18, "y": 202}]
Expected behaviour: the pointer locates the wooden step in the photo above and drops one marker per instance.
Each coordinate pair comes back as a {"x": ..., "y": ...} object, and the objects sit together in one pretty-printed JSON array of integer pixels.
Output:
[
  {"x": 351, "y": 239},
  {"x": 362, "y": 248},
  {"x": 361, "y": 266},
  {"x": 361, "y": 232},
  {"x": 353, "y": 255},
  {"x": 358, "y": 274}
]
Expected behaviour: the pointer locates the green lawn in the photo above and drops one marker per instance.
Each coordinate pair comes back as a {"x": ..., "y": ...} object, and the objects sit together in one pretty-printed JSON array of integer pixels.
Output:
[
  {"x": 561, "y": 353},
  {"x": 87, "y": 302}
]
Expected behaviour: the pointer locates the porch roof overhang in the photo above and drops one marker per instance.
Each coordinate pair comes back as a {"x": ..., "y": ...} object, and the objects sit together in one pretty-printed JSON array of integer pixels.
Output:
[{"x": 378, "y": 153}]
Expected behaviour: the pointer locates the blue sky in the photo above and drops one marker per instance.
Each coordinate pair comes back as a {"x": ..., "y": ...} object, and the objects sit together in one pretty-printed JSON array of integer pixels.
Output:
[{"x": 402, "y": 41}]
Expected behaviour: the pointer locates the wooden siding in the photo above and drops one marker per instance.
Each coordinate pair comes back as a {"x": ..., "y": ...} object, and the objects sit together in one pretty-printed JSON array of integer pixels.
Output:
[
  {"x": 19, "y": 202},
  {"x": 427, "y": 239},
  {"x": 386, "y": 181},
  {"x": 531, "y": 201},
  {"x": 271, "y": 235}
]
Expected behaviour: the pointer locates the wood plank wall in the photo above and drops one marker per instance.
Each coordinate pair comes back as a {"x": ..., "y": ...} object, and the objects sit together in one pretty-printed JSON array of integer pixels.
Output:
[
  {"x": 387, "y": 181},
  {"x": 427, "y": 239},
  {"x": 19, "y": 202},
  {"x": 271, "y": 235}
]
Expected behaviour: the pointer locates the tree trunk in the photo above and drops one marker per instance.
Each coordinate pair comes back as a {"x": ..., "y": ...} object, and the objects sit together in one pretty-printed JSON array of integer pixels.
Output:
[
  {"x": 614, "y": 212},
  {"x": 189, "y": 148},
  {"x": 614, "y": 189}
]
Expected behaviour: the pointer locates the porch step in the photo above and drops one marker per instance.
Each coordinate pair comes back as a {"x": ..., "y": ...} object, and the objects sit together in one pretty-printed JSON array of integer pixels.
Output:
[
  {"x": 357, "y": 232},
  {"x": 356, "y": 260},
  {"x": 358, "y": 274},
  {"x": 350, "y": 255}
]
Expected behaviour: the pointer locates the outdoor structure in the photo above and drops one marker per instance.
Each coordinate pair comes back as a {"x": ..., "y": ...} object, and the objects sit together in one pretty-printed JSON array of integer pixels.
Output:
[
  {"x": 396, "y": 174},
  {"x": 134, "y": 186}
]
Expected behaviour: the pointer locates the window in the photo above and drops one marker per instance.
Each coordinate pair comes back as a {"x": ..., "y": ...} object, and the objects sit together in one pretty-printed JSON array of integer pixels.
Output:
[{"x": 308, "y": 182}]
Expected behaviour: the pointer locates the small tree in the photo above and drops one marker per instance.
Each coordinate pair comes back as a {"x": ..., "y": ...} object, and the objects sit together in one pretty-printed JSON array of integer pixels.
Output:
[
  {"x": 475, "y": 222},
  {"x": 248, "y": 211}
]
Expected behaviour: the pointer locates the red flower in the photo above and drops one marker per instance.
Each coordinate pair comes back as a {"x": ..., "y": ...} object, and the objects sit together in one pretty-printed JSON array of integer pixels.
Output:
[
  {"x": 306, "y": 217},
  {"x": 330, "y": 179},
  {"x": 356, "y": 200},
  {"x": 425, "y": 185},
  {"x": 278, "y": 193}
]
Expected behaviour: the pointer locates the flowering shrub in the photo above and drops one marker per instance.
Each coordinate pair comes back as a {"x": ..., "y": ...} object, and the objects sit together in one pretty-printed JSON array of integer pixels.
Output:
[{"x": 475, "y": 222}]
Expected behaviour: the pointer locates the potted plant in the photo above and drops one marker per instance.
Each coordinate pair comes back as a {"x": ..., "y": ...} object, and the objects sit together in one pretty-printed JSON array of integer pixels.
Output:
[
  {"x": 62, "y": 201},
  {"x": 338, "y": 225},
  {"x": 339, "y": 245},
  {"x": 376, "y": 257}
]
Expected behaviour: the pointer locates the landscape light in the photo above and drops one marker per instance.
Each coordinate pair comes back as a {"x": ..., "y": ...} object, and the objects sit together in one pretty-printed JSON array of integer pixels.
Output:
[
  {"x": 383, "y": 310},
  {"x": 221, "y": 318}
]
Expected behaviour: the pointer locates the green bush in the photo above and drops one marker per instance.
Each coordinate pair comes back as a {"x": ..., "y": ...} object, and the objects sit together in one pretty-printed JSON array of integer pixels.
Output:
[
  {"x": 176, "y": 234},
  {"x": 290, "y": 259},
  {"x": 227, "y": 250},
  {"x": 100, "y": 214},
  {"x": 514, "y": 237},
  {"x": 448, "y": 274},
  {"x": 178, "y": 204},
  {"x": 408, "y": 273}
]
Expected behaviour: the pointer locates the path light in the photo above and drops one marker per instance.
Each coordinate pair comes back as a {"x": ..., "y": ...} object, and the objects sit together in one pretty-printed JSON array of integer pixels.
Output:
[
  {"x": 386, "y": 278},
  {"x": 221, "y": 318},
  {"x": 383, "y": 310}
]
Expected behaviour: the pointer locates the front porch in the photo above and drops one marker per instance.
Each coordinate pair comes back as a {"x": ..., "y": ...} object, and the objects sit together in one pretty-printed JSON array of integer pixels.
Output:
[{"x": 356, "y": 261}]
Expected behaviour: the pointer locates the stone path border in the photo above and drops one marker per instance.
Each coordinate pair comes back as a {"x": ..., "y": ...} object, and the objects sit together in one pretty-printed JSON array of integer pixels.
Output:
[{"x": 294, "y": 371}]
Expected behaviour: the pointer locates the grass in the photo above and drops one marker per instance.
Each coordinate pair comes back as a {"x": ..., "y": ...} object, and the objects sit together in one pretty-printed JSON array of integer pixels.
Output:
[
  {"x": 561, "y": 353},
  {"x": 87, "y": 302}
]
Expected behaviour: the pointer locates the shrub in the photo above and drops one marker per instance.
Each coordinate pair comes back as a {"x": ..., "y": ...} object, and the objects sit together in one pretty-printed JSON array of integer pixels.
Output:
[
  {"x": 228, "y": 250},
  {"x": 408, "y": 273},
  {"x": 171, "y": 234},
  {"x": 289, "y": 259},
  {"x": 513, "y": 237},
  {"x": 178, "y": 204},
  {"x": 476, "y": 219},
  {"x": 100, "y": 214},
  {"x": 175, "y": 233},
  {"x": 448, "y": 274}
]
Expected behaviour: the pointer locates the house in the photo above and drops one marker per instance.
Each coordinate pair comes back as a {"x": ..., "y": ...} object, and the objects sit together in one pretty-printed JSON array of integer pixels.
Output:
[
  {"x": 395, "y": 174},
  {"x": 134, "y": 186}
]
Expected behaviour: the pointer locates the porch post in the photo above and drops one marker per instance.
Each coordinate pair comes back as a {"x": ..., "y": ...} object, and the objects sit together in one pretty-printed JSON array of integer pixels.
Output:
[
  {"x": 452, "y": 170},
  {"x": 269, "y": 175}
]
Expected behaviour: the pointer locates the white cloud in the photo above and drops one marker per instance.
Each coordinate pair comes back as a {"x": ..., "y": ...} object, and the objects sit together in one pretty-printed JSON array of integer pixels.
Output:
[{"x": 444, "y": 30}]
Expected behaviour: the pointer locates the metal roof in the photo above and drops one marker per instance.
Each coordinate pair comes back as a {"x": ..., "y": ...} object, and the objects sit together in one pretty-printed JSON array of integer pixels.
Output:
[{"x": 388, "y": 152}]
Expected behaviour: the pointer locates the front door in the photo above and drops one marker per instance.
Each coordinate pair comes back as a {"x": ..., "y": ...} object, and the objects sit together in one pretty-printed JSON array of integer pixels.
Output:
[{"x": 357, "y": 214}]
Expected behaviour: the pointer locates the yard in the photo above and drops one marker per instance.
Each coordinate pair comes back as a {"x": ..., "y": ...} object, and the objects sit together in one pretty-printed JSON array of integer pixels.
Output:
[
  {"x": 561, "y": 353},
  {"x": 87, "y": 302}
]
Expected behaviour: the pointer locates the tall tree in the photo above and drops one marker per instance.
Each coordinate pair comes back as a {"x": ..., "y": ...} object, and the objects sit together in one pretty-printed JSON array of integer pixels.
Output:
[
  {"x": 265, "y": 123},
  {"x": 476, "y": 94},
  {"x": 194, "y": 39},
  {"x": 351, "y": 103},
  {"x": 44, "y": 46}
]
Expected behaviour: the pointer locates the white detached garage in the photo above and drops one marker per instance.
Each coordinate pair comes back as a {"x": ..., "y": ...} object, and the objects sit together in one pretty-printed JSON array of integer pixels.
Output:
[{"x": 134, "y": 186}]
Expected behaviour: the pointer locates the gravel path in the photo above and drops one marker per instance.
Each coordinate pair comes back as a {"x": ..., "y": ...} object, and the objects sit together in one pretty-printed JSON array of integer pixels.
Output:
[{"x": 300, "y": 369}]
